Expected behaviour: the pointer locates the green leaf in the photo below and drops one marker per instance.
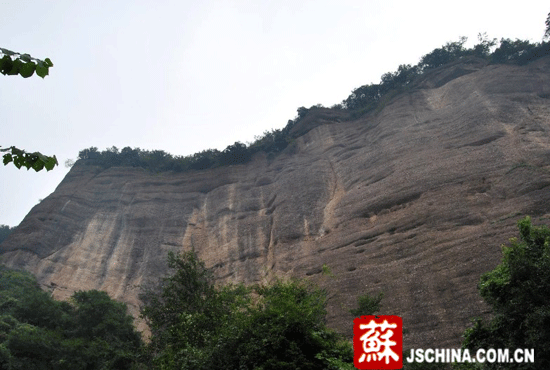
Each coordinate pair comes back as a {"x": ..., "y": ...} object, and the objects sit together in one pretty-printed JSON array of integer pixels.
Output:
[
  {"x": 14, "y": 70},
  {"x": 38, "y": 165},
  {"x": 27, "y": 69},
  {"x": 41, "y": 69},
  {"x": 48, "y": 62},
  {"x": 18, "y": 162},
  {"x": 7, "y": 158},
  {"x": 50, "y": 163},
  {"x": 5, "y": 64}
]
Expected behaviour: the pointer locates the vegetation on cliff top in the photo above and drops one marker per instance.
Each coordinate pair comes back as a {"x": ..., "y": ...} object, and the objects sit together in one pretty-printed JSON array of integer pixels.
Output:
[
  {"x": 5, "y": 230},
  {"x": 361, "y": 100}
]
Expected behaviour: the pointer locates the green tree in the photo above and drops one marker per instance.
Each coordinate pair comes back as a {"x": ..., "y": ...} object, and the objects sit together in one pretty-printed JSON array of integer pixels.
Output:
[
  {"x": 443, "y": 55},
  {"x": 198, "y": 325},
  {"x": 518, "y": 290},
  {"x": 237, "y": 153},
  {"x": 5, "y": 230},
  {"x": 11, "y": 64},
  {"x": 284, "y": 329},
  {"x": 547, "y": 23},
  {"x": 98, "y": 316},
  {"x": 182, "y": 313},
  {"x": 367, "y": 305},
  {"x": 483, "y": 48},
  {"x": 36, "y": 332}
]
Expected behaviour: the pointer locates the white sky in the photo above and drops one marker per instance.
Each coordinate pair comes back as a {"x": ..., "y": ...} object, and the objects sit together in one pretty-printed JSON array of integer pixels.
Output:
[{"x": 184, "y": 76}]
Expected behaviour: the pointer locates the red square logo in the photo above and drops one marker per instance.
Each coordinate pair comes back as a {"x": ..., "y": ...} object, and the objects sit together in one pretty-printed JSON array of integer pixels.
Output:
[{"x": 378, "y": 342}]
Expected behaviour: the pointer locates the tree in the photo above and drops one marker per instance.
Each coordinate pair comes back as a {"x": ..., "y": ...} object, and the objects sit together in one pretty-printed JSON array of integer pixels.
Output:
[
  {"x": 367, "y": 305},
  {"x": 89, "y": 332},
  {"x": 518, "y": 290},
  {"x": 98, "y": 316},
  {"x": 237, "y": 153},
  {"x": 12, "y": 64},
  {"x": 90, "y": 153},
  {"x": 547, "y": 32},
  {"x": 5, "y": 230},
  {"x": 186, "y": 314},
  {"x": 205, "y": 159},
  {"x": 440, "y": 56},
  {"x": 196, "y": 324},
  {"x": 483, "y": 48},
  {"x": 286, "y": 329}
]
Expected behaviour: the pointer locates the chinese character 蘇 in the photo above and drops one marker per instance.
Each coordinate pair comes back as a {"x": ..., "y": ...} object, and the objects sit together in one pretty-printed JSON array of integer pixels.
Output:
[{"x": 373, "y": 344}]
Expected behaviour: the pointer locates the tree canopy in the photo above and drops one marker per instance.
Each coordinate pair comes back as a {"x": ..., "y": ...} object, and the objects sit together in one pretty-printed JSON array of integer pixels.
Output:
[
  {"x": 5, "y": 230},
  {"x": 197, "y": 325},
  {"x": 518, "y": 290},
  {"x": 91, "y": 331}
]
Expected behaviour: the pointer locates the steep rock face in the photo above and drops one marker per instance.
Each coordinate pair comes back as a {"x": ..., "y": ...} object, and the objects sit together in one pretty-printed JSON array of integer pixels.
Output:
[{"x": 413, "y": 200}]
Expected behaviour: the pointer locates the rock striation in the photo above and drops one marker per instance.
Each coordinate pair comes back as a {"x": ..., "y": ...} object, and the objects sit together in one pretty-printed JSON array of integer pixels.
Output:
[{"x": 413, "y": 199}]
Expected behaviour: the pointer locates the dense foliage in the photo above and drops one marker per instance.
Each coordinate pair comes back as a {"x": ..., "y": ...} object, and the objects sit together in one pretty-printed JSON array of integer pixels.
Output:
[
  {"x": 36, "y": 332},
  {"x": 196, "y": 325},
  {"x": 518, "y": 290},
  {"x": 362, "y": 100},
  {"x": 5, "y": 230}
]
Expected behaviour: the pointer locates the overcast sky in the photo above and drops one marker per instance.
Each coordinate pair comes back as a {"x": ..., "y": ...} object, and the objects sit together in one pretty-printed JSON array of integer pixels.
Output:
[{"x": 184, "y": 76}]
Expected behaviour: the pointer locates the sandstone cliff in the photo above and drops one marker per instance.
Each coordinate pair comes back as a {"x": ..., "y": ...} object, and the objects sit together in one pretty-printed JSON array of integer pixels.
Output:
[{"x": 413, "y": 200}]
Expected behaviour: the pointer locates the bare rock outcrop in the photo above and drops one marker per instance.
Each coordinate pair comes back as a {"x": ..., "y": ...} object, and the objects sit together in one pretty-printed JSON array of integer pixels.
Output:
[{"x": 413, "y": 200}]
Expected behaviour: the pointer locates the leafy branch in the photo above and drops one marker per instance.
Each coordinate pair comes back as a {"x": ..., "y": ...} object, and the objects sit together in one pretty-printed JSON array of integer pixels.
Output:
[
  {"x": 13, "y": 63},
  {"x": 37, "y": 161}
]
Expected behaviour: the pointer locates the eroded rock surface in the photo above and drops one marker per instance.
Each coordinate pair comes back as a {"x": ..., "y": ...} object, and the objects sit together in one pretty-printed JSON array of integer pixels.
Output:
[{"x": 413, "y": 200}]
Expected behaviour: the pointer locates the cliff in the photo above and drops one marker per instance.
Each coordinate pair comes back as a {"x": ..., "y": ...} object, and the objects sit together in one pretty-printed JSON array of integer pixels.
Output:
[{"x": 413, "y": 200}]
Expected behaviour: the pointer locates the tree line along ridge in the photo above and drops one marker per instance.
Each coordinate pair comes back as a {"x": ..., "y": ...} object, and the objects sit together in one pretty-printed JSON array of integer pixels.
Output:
[{"x": 361, "y": 101}]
